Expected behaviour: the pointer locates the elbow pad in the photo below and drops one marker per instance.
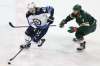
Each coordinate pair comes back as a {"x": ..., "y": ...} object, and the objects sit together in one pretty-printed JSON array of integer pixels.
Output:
[{"x": 68, "y": 18}]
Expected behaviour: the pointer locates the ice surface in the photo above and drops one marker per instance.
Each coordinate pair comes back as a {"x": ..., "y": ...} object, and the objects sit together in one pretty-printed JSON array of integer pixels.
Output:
[{"x": 58, "y": 50}]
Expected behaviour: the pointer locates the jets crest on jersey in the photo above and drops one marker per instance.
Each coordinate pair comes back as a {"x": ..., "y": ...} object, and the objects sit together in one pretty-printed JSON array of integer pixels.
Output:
[{"x": 38, "y": 20}]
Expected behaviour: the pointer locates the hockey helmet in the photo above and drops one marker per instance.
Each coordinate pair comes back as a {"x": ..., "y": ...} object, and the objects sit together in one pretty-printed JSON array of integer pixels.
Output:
[
  {"x": 77, "y": 7},
  {"x": 31, "y": 5}
]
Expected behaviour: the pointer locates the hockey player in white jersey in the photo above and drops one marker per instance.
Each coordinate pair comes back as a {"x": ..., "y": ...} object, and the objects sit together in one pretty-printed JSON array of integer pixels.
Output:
[{"x": 39, "y": 20}]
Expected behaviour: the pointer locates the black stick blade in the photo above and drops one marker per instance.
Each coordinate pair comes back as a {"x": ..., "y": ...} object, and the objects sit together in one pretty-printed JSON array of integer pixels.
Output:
[
  {"x": 11, "y": 25},
  {"x": 11, "y": 59}
]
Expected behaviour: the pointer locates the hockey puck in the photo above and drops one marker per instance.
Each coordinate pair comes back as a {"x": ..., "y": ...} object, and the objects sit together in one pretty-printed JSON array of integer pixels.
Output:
[{"x": 9, "y": 63}]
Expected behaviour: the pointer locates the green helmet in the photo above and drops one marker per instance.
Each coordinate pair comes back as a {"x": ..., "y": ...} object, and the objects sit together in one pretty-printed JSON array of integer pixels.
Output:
[{"x": 77, "y": 7}]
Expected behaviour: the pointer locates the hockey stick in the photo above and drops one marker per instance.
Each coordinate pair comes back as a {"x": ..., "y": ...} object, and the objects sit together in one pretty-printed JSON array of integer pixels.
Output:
[
  {"x": 16, "y": 26},
  {"x": 14, "y": 56},
  {"x": 21, "y": 26}
]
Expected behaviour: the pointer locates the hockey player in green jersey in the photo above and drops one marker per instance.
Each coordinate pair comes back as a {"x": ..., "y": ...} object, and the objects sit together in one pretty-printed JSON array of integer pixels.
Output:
[{"x": 87, "y": 25}]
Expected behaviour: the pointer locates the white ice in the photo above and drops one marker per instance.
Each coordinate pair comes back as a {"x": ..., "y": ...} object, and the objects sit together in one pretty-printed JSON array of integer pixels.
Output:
[{"x": 58, "y": 50}]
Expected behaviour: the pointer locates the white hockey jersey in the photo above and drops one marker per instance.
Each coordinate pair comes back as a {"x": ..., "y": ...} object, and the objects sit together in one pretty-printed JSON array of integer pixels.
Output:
[{"x": 38, "y": 20}]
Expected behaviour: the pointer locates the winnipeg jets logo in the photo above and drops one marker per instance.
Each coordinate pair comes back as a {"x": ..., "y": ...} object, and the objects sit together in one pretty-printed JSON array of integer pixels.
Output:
[{"x": 37, "y": 22}]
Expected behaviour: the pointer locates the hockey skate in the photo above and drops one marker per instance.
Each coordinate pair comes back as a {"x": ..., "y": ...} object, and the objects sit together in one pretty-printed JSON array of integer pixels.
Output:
[
  {"x": 82, "y": 46},
  {"x": 41, "y": 42},
  {"x": 25, "y": 46}
]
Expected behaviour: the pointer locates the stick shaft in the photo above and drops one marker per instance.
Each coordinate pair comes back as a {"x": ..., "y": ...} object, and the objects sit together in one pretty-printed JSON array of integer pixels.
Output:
[
  {"x": 16, "y": 55},
  {"x": 21, "y": 26}
]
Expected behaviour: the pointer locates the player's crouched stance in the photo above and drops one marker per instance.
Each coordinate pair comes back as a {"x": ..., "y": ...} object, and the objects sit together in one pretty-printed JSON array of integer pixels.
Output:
[
  {"x": 87, "y": 25},
  {"x": 39, "y": 22}
]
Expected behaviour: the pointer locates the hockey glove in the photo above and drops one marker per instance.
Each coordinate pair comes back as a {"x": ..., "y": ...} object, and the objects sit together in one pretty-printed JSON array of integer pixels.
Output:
[
  {"x": 61, "y": 25},
  {"x": 72, "y": 29},
  {"x": 50, "y": 20}
]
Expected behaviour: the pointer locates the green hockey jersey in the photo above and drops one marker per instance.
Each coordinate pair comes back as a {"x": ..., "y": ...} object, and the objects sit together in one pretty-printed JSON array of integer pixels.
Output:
[{"x": 81, "y": 18}]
